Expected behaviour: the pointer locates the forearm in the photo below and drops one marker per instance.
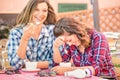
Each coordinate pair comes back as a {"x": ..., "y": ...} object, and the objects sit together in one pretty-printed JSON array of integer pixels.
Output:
[
  {"x": 22, "y": 48},
  {"x": 56, "y": 55},
  {"x": 16, "y": 62},
  {"x": 43, "y": 64},
  {"x": 74, "y": 68}
]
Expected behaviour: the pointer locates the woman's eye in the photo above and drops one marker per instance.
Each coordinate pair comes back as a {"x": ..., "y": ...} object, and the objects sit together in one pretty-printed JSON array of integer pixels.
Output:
[
  {"x": 44, "y": 10},
  {"x": 36, "y": 9},
  {"x": 69, "y": 40}
]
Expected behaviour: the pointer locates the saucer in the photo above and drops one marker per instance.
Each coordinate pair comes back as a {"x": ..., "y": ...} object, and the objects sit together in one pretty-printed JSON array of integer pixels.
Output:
[{"x": 32, "y": 70}]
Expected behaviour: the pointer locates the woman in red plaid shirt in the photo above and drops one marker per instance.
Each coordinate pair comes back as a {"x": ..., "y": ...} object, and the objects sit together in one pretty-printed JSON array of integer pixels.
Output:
[{"x": 83, "y": 47}]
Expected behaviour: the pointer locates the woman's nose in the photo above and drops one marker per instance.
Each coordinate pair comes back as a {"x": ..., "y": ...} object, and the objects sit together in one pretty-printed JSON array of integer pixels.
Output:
[{"x": 40, "y": 13}]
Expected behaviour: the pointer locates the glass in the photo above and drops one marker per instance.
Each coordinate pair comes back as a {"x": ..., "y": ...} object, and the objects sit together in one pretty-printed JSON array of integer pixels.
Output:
[
  {"x": 0, "y": 61},
  {"x": 5, "y": 62},
  {"x": 117, "y": 44}
]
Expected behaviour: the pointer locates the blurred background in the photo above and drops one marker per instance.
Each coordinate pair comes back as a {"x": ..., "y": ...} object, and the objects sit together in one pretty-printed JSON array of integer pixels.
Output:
[{"x": 109, "y": 11}]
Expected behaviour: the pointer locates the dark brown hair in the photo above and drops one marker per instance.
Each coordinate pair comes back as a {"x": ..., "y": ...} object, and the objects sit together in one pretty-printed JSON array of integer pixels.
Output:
[
  {"x": 72, "y": 26},
  {"x": 25, "y": 16}
]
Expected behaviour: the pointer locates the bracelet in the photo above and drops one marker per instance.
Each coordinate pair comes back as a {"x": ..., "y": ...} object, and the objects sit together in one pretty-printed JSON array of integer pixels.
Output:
[{"x": 88, "y": 72}]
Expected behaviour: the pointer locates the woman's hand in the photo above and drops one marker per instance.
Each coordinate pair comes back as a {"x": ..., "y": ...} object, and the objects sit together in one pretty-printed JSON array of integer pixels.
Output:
[
  {"x": 29, "y": 31},
  {"x": 59, "y": 41},
  {"x": 57, "y": 56},
  {"x": 60, "y": 69}
]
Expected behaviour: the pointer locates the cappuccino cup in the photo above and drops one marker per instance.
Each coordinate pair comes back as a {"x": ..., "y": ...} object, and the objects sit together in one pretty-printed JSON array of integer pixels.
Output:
[{"x": 31, "y": 65}]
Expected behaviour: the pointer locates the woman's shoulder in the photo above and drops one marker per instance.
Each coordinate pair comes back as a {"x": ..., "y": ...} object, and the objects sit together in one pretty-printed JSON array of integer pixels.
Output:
[
  {"x": 17, "y": 29},
  {"x": 50, "y": 26},
  {"x": 98, "y": 34}
]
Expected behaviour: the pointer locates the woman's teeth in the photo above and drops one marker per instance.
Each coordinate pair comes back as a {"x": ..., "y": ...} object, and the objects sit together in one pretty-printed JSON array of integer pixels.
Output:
[{"x": 37, "y": 23}]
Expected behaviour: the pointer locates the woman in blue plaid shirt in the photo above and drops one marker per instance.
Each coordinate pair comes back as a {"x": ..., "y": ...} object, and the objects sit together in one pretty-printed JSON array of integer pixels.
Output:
[{"x": 33, "y": 37}]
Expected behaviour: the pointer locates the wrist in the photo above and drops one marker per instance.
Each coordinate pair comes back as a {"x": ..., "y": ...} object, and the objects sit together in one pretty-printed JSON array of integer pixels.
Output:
[
  {"x": 55, "y": 46},
  {"x": 24, "y": 39}
]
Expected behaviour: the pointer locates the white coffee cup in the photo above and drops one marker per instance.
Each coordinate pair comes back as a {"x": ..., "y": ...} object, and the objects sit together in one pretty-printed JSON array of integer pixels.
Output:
[
  {"x": 65, "y": 64},
  {"x": 31, "y": 65}
]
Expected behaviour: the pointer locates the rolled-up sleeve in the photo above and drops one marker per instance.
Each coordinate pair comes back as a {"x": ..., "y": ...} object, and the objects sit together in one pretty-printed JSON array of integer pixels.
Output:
[
  {"x": 50, "y": 58},
  {"x": 13, "y": 43},
  {"x": 102, "y": 59}
]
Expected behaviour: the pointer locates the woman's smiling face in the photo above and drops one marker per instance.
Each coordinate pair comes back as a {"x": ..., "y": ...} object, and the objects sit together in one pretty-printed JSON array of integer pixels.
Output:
[
  {"x": 40, "y": 13},
  {"x": 71, "y": 39}
]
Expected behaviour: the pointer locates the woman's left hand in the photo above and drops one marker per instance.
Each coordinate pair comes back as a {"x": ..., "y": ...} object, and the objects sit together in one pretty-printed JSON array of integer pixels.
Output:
[{"x": 60, "y": 69}]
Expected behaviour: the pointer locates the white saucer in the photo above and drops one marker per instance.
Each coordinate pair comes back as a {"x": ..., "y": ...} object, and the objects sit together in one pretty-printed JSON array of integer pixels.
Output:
[{"x": 33, "y": 70}]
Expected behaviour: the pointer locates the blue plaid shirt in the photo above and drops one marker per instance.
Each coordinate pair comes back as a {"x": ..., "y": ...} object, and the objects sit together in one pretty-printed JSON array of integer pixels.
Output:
[{"x": 37, "y": 50}]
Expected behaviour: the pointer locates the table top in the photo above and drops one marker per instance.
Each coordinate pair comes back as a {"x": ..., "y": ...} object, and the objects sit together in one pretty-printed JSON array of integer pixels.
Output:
[{"x": 34, "y": 76}]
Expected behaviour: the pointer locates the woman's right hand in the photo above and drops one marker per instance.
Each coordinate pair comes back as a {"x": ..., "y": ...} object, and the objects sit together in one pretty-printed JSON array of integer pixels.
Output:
[
  {"x": 28, "y": 31},
  {"x": 59, "y": 41}
]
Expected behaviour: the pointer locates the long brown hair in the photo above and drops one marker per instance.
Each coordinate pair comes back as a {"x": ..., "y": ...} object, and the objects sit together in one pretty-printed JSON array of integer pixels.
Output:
[
  {"x": 72, "y": 26},
  {"x": 25, "y": 16}
]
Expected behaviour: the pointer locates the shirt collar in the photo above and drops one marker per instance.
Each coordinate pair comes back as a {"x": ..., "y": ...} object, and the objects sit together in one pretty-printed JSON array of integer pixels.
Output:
[
  {"x": 91, "y": 32},
  {"x": 44, "y": 31}
]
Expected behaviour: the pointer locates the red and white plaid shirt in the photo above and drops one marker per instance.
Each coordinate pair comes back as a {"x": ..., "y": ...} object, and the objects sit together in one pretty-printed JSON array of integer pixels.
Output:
[{"x": 96, "y": 55}]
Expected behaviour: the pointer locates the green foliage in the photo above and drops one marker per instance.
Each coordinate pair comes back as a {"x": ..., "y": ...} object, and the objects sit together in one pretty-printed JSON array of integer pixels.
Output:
[
  {"x": 117, "y": 65},
  {"x": 4, "y": 33}
]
